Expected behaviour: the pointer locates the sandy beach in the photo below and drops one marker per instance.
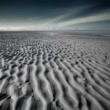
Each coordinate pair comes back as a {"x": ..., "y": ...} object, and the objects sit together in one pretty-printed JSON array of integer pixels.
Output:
[{"x": 54, "y": 71}]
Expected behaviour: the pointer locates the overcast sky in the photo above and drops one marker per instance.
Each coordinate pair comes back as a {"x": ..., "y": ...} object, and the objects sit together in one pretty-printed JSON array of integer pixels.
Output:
[{"x": 54, "y": 14}]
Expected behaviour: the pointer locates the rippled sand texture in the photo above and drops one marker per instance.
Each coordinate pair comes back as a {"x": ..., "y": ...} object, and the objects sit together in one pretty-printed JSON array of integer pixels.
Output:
[{"x": 54, "y": 74}]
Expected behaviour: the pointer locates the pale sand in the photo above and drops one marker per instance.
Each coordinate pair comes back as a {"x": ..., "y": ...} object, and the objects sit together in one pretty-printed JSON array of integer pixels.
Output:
[{"x": 41, "y": 71}]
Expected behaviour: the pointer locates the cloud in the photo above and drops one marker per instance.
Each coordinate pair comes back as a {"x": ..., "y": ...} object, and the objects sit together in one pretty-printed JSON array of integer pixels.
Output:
[
  {"x": 59, "y": 22},
  {"x": 11, "y": 28},
  {"x": 93, "y": 18}
]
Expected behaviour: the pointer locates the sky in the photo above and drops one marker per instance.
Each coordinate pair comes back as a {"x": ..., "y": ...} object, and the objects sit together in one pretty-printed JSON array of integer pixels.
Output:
[{"x": 54, "y": 14}]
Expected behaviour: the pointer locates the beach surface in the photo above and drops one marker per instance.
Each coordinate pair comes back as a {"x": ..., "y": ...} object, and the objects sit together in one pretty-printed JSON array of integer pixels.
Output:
[{"x": 54, "y": 71}]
